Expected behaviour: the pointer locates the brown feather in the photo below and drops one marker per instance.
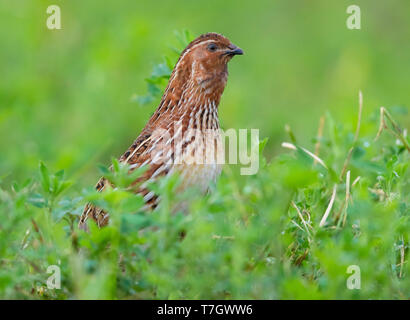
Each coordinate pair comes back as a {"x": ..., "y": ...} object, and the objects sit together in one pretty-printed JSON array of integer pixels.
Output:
[{"x": 190, "y": 102}]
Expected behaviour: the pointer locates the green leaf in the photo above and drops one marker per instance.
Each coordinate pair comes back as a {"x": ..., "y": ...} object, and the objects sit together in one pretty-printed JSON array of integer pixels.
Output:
[
  {"x": 115, "y": 165},
  {"x": 103, "y": 169},
  {"x": 161, "y": 71},
  {"x": 37, "y": 200},
  {"x": 262, "y": 144},
  {"x": 63, "y": 186},
  {"x": 45, "y": 178}
]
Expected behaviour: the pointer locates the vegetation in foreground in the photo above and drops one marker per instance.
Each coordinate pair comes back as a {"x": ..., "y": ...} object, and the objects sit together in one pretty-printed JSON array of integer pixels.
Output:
[{"x": 289, "y": 232}]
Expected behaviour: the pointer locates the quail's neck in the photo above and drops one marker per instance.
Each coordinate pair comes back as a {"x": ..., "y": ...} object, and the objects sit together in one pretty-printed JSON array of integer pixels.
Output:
[{"x": 190, "y": 93}]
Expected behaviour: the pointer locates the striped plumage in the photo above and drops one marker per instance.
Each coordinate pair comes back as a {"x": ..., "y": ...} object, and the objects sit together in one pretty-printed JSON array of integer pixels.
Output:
[{"x": 183, "y": 133}]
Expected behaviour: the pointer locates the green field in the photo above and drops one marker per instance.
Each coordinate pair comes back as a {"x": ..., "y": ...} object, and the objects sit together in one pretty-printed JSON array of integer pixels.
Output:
[{"x": 70, "y": 100}]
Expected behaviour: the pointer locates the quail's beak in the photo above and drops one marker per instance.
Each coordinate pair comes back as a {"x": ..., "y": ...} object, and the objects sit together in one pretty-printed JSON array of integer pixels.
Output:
[{"x": 233, "y": 51}]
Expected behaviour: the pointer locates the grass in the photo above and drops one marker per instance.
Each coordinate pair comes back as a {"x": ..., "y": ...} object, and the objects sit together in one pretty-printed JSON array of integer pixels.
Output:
[
  {"x": 318, "y": 204},
  {"x": 289, "y": 232}
]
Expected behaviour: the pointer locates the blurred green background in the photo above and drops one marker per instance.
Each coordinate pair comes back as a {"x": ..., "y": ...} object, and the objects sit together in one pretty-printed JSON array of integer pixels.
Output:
[{"x": 65, "y": 95}]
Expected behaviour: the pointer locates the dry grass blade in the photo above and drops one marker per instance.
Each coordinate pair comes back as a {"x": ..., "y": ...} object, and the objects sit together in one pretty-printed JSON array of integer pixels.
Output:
[
  {"x": 288, "y": 145},
  {"x": 303, "y": 220},
  {"x": 356, "y": 181},
  {"x": 396, "y": 129},
  {"x": 347, "y": 185},
  {"x": 382, "y": 124},
  {"x": 345, "y": 204},
  {"x": 329, "y": 207},
  {"x": 295, "y": 223},
  {"x": 291, "y": 146}
]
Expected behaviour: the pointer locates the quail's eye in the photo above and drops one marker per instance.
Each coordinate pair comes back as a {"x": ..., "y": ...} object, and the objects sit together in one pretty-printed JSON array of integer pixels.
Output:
[{"x": 212, "y": 47}]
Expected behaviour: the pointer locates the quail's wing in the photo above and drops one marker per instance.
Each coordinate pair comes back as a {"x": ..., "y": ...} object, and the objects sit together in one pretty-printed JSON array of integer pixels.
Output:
[{"x": 138, "y": 154}]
